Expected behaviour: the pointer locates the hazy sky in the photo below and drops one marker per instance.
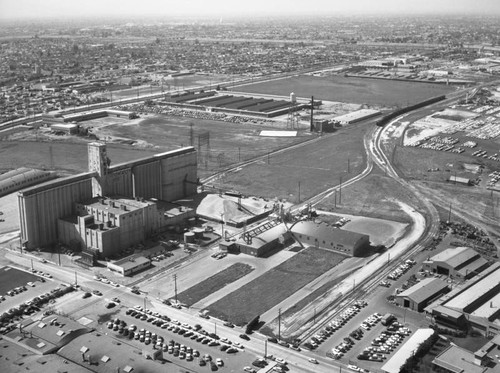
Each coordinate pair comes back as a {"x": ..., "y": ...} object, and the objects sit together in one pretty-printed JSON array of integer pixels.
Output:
[{"x": 75, "y": 8}]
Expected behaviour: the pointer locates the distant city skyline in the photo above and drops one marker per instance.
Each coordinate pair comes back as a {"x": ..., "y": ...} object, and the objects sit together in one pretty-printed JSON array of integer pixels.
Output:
[{"x": 15, "y": 9}]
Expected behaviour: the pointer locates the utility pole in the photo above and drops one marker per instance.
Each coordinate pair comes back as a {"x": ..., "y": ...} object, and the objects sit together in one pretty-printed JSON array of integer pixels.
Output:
[
  {"x": 265, "y": 349},
  {"x": 279, "y": 324},
  {"x": 175, "y": 286},
  {"x": 335, "y": 192},
  {"x": 348, "y": 165},
  {"x": 340, "y": 191},
  {"x": 76, "y": 279},
  {"x": 145, "y": 304},
  {"x": 299, "y": 192},
  {"x": 449, "y": 214},
  {"x": 31, "y": 265}
]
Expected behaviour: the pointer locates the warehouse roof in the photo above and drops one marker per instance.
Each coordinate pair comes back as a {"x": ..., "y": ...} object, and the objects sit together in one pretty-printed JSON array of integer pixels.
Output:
[
  {"x": 459, "y": 360},
  {"x": 327, "y": 233},
  {"x": 475, "y": 291},
  {"x": 454, "y": 257},
  {"x": 425, "y": 289},
  {"x": 408, "y": 349}
]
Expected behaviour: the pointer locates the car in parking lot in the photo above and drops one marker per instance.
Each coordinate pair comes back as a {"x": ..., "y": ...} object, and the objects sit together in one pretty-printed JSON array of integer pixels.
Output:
[
  {"x": 86, "y": 295},
  {"x": 313, "y": 360},
  {"x": 245, "y": 337},
  {"x": 96, "y": 292}
]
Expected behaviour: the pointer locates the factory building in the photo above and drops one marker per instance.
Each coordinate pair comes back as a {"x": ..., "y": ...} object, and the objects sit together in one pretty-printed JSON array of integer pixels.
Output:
[
  {"x": 327, "y": 237},
  {"x": 478, "y": 301},
  {"x": 459, "y": 262},
  {"x": 421, "y": 294},
  {"x": 107, "y": 204},
  {"x": 261, "y": 240}
]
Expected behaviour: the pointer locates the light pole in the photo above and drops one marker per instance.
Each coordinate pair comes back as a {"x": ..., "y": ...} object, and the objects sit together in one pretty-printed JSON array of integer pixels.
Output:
[{"x": 145, "y": 303}]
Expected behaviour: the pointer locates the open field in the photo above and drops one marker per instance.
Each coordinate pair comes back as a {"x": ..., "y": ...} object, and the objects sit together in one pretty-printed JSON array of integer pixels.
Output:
[
  {"x": 274, "y": 286},
  {"x": 214, "y": 283},
  {"x": 373, "y": 92},
  {"x": 375, "y": 196},
  {"x": 317, "y": 166}
]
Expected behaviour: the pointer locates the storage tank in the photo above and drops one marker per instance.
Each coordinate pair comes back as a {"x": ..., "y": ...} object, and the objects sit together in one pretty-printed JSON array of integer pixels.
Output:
[
  {"x": 189, "y": 237},
  {"x": 293, "y": 99},
  {"x": 198, "y": 233}
]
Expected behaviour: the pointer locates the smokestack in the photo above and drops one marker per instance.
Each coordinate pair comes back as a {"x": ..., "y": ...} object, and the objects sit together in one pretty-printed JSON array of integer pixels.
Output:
[{"x": 311, "y": 127}]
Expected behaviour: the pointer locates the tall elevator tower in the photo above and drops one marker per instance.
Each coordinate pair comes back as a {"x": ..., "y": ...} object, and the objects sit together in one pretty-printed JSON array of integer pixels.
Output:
[{"x": 98, "y": 162}]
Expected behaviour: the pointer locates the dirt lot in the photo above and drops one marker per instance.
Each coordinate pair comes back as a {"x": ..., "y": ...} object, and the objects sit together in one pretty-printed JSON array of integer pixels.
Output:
[
  {"x": 274, "y": 286},
  {"x": 373, "y": 92}
]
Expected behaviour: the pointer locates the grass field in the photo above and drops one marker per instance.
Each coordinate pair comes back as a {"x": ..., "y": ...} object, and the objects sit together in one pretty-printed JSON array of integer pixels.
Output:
[
  {"x": 376, "y": 92},
  {"x": 317, "y": 166},
  {"x": 274, "y": 286},
  {"x": 214, "y": 283},
  {"x": 11, "y": 278}
]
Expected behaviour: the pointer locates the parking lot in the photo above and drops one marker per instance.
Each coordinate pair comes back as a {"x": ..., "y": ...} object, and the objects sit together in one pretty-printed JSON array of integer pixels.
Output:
[{"x": 188, "y": 345}]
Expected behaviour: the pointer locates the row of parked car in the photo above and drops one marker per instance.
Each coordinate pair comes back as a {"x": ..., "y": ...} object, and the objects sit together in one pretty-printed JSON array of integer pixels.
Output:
[
  {"x": 186, "y": 330},
  {"x": 334, "y": 325},
  {"x": 401, "y": 270},
  {"x": 159, "y": 342},
  {"x": 34, "y": 305},
  {"x": 385, "y": 343}
]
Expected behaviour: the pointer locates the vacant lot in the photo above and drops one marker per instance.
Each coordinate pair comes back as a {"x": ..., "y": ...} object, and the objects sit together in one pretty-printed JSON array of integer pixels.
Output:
[
  {"x": 376, "y": 92},
  {"x": 214, "y": 283},
  {"x": 11, "y": 278},
  {"x": 274, "y": 286},
  {"x": 317, "y": 166}
]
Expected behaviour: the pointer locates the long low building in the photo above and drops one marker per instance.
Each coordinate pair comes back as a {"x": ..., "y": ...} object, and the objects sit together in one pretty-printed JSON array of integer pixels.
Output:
[
  {"x": 421, "y": 294},
  {"x": 407, "y": 350},
  {"x": 459, "y": 262}
]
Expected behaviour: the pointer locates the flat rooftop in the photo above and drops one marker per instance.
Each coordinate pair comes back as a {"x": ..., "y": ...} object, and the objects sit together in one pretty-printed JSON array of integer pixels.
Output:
[
  {"x": 458, "y": 360},
  {"x": 395, "y": 363},
  {"x": 476, "y": 290},
  {"x": 424, "y": 290}
]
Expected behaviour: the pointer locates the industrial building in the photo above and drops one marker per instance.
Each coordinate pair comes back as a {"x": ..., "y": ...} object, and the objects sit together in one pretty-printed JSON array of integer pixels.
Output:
[
  {"x": 478, "y": 301},
  {"x": 456, "y": 359},
  {"x": 356, "y": 116},
  {"x": 108, "y": 207},
  {"x": 421, "y": 294},
  {"x": 261, "y": 240},
  {"x": 408, "y": 349},
  {"x": 130, "y": 265},
  {"x": 327, "y": 237},
  {"x": 459, "y": 262}
]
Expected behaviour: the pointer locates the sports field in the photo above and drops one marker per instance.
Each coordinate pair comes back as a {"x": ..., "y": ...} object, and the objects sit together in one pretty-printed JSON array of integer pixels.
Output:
[
  {"x": 274, "y": 286},
  {"x": 214, "y": 283},
  {"x": 375, "y": 92}
]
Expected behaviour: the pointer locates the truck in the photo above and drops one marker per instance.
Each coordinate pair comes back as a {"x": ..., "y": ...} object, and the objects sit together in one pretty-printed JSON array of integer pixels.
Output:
[{"x": 388, "y": 319}]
